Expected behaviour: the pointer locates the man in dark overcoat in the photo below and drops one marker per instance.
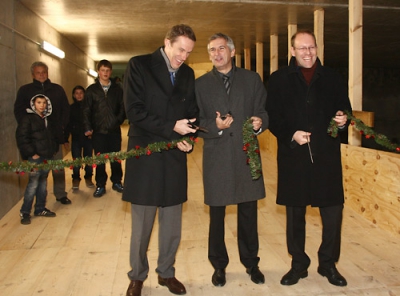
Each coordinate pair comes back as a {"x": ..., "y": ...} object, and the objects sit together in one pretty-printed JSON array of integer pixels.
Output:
[
  {"x": 302, "y": 100},
  {"x": 160, "y": 105},
  {"x": 226, "y": 97}
]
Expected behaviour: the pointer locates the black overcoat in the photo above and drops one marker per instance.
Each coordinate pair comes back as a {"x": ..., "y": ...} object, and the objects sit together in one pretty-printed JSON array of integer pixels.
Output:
[
  {"x": 153, "y": 105},
  {"x": 293, "y": 105}
]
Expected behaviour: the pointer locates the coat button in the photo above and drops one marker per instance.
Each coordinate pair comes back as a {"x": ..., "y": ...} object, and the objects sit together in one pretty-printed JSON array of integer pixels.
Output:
[{"x": 231, "y": 134}]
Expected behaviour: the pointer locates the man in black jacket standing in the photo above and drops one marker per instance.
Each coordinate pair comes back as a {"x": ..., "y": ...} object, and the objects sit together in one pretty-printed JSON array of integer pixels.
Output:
[
  {"x": 60, "y": 116},
  {"x": 103, "y": 114}
]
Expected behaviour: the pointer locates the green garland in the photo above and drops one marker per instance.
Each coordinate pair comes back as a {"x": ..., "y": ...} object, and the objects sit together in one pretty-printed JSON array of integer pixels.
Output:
[
  {"x": 250, "y": 146},
  {"x": 364, "y": 130},
  {"x": 249, "y": 140}
]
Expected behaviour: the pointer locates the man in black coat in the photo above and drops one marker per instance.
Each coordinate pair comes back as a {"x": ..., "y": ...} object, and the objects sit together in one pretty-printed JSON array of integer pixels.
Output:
[
  {"x": 160, "y": 105},
  {"x": 302, "y": 100},
  {"x": 103, "y": 113},
  {"x": 60, "y": 116}
]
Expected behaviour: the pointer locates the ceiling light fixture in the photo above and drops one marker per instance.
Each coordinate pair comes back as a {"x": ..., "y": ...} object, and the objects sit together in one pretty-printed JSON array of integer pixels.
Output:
[
  {"x": 52, "y": 49},
  {"x": 93, "y": 73}
]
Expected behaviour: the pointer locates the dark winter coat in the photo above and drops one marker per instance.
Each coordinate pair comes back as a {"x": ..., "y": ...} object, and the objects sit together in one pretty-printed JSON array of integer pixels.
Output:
[
  {"x": 153, "y": 105},
  {"x": 59, "y": 101},
  {"x": 103, "y": 112},
  {"x": 293, "y": 105},
  {"x": 226, "y": 174},
  {"x": 36, "y": 134},
  {"x": 75, "y": 126}
]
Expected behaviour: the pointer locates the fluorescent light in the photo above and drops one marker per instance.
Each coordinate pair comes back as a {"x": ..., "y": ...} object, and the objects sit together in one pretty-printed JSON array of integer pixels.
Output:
[
  {"x": 93, "y": 73},
  {"x": 52, "y": 49}
]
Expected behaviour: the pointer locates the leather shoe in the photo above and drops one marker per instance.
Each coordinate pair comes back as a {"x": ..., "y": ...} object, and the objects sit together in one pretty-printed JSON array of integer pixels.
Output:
[
  {"x": 293, "y": 276},
  {"x": 256, "y": 275},
  {"x": 173, "y": 285},
  {"x": 64, "y": 200},
  {"x": 135, "y": 288},
  {"x": 218, "y": 278},
  {"x": 333, "y": 276},
  {"x": 118, "y": 187}
]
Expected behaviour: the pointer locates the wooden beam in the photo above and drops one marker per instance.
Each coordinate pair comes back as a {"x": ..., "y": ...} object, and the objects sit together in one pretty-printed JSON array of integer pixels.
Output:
[
  {"x": 366, "y": 117},
  {"x": 291, "y": 30},
  {"x": 273, "y": 53},
  {"x": 238, "y": 60},
  {"x": 319, "y": 18},
  {"x": 355, "y": 62},
  {"x": 247, "y": 61},
  {"x": 260, "y": 59}
]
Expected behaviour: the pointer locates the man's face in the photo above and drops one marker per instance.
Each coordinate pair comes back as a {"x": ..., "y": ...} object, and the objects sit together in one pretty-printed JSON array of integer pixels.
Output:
[
  {"x": 305, "y": 50},
  {"x": 40, "y": 105},
  {"x": 220, "y": 55},
  {"x": 178, "y": 51},
  {"x": 40, "y": 74},
  {"x": 79, "y": 94},
  {"x": 104, "y": 74}
]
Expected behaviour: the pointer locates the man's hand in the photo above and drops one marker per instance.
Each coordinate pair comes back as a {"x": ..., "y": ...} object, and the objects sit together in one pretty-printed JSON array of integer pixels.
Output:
[
  {"x": 257, "y": 122},
  {"x": 223, "y": 123},
  {"x": 340, "y": 118},
  {"x": 184, "y": 126},
  {"x": 184, "y": 146},
  {"x": 302, "y": 137}
]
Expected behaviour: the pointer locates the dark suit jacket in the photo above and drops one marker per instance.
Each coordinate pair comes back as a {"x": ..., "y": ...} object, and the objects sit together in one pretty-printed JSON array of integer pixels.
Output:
[{"x": 153, "y": 105}]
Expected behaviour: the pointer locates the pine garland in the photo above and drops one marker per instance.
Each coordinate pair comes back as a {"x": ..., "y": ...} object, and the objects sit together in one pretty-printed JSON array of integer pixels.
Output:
[
  {"x": 249, "y": 140},
  {"x": 364, "y": 130},
  {"x": 25, "y": 166},
  {"x": 250, "y": 146}
]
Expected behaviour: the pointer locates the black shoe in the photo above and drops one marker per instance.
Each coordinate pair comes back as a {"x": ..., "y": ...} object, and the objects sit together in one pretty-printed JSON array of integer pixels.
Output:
[
  {"x": 75, "y": 184},
  {"x": 218, "y": 278},
  {"x": 99, "y": 192},
  {"x": 64, "y": 200},
  {"x": 333, "y": 276},
  {"x": 45, "y": 213},
  {"x": 256, "y": 275},
  {"x": 25, "y": 218},
  {"x": 293, "y": 276},
  {"x": 118, "y": 187}
]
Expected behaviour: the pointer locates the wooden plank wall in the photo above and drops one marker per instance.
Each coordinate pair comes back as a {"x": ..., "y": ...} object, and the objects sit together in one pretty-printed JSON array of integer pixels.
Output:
[
  {"x": 371, "y": 180},
  {"x": 372, "y": 185}
]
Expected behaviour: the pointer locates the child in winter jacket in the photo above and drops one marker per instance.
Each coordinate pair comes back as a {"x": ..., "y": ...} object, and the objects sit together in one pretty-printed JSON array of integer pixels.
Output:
[{"x": 36, "y": 140}]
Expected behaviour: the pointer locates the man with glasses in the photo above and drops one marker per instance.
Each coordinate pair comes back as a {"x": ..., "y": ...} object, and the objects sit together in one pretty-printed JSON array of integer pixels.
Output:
[{"x": 302, "y": 100}]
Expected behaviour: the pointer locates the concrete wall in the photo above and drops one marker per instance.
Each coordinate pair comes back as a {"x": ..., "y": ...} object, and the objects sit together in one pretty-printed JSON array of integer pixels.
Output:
[{"x": 20, "y": 33}]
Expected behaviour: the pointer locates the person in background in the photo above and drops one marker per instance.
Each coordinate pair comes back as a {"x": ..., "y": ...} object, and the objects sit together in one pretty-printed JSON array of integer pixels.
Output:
[
  {"x": 302, "y": 100},
  {"x": 60, "y": 113},
  {"x": 103, "y": 114},
  {"x": 160, "y": 106},
  {"x": 36, "y": 141},
  {"x": 81, "y": 145},
  {"x": 226, "y": 97}
]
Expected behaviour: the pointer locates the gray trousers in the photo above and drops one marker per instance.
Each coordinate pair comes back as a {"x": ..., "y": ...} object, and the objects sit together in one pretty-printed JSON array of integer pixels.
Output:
[
  {"x": 59, "y": 177},
  {"x": 169, "y": 237}
]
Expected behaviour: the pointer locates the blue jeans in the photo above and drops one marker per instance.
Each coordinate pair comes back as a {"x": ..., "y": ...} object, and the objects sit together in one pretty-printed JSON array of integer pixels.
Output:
[
  {"x": 37, "y": 185},
  {"x": 81, "y": 148}
]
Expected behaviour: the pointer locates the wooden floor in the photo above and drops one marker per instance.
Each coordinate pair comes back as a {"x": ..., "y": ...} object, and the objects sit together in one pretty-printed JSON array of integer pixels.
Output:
[{"x": 85, "y": 249}]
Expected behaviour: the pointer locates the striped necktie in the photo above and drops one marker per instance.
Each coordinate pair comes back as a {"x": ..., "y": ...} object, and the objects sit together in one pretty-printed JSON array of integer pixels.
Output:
[{"x": 227, "y": 84}]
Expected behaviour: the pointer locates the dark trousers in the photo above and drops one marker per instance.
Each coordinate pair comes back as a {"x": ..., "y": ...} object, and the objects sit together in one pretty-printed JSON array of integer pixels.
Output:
[
  {"x": 246, "y": 231},
  {"x": 329, "y": 250},
  {"x": 103, "y": 143},
  {"x": 82, "y": 148}
]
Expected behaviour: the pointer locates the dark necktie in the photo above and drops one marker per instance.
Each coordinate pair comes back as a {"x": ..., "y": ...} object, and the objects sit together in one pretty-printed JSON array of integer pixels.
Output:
[
  {"x": 227, "y": 84},
  {"x": 172, "y": 76}
]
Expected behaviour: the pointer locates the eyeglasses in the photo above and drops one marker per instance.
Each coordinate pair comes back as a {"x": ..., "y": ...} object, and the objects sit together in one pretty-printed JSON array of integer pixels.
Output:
[{"x": 304, "y": 49}]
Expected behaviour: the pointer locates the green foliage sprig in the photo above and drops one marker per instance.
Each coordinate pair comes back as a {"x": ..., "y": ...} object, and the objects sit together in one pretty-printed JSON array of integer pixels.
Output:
[
  {"x": 250, "y": 146},
  {"x": 364, "y": 130}
]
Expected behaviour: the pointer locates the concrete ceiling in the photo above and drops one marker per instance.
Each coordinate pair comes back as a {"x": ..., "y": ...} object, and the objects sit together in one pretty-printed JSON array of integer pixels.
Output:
[{"x": 118, "y": 30}]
